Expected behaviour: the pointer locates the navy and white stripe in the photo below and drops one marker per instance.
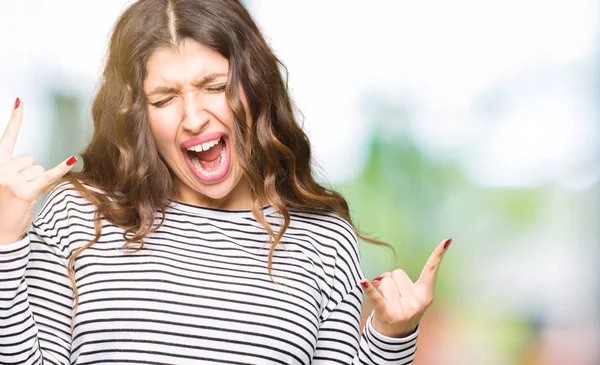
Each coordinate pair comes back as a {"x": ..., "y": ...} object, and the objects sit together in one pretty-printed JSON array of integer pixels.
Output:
[{"x": 197, "y": 293}]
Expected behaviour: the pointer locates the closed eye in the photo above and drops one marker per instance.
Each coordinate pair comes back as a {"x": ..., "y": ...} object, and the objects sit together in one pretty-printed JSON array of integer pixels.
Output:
[
  {"x": 212, "y": 90},
  {"x": 215, "y": 90},
  {"x": 160, "y": 104}
]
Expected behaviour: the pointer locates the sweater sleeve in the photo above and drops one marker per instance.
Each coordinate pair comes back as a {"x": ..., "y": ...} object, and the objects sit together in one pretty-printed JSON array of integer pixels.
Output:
[
  {"x": 36, "y": 298},
  {"x": 339, "y": 341}
]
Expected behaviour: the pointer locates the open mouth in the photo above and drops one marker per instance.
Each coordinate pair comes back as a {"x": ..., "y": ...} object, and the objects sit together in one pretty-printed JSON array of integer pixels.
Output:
[{"x": 209, "y": 160}]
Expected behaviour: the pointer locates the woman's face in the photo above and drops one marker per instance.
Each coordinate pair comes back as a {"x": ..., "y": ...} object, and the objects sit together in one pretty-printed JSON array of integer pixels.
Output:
[{"x": 193, "y": 125}]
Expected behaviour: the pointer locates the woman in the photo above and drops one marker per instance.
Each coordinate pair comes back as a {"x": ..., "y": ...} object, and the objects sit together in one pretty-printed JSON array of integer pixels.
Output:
[{"x": 195, "y": 232}]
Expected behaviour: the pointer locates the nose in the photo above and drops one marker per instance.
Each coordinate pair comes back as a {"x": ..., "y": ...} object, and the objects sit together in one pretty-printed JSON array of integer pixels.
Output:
[{"x": 195, "y": 114}]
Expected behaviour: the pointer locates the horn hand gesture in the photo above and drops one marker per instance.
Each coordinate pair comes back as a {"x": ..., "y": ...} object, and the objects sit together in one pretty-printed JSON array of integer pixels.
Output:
[
  {"x": 399, "y": 304},
  {"x": 21, "y": 181}
]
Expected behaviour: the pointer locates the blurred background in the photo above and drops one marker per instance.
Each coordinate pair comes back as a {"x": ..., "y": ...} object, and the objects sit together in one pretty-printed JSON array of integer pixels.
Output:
[{"x": 476, "y": 120}]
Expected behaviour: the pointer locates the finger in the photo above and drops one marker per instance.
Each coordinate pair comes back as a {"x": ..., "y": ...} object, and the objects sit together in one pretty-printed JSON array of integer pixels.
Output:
[
  {"x": 429, "y": 273},
  {"x": 9, "y": 138},
  {"x": 376, "y": 298},
  {"x": 389, "y": 290},
  {"x": 52, "y": 175},
  {"x": 378, "y": 279},
  {"x": 404, "y": 284},
  {"x": 29, "y": 174},
  {"x": 18, "y": 164}
]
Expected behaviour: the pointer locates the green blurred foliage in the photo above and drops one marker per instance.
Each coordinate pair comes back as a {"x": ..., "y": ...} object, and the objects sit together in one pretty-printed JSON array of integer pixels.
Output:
[
  {"x": 397, "y": 199},
  {"x": 412, "y": 201},
  {"x": 69, "y": 135}
]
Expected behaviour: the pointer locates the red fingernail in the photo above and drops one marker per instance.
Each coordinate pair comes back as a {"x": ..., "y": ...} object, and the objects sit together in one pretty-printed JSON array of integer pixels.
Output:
[
  {"x": 447, "y": 243},
  {"x": 17, "y": 103},
  {"x": 378, "y": 278},
  {"x": 71, "y": 161},
  {"x": 364, "y": 283}
]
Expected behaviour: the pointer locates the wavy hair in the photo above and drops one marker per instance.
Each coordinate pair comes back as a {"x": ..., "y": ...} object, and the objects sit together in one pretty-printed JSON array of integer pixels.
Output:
[{"x": 122, "y": 160}]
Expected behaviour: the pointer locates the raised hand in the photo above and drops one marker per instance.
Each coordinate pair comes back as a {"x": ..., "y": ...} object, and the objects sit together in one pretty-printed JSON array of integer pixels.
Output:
[
  {"x": 21, "y": 182},
  {"x": 399, "y": 304}
]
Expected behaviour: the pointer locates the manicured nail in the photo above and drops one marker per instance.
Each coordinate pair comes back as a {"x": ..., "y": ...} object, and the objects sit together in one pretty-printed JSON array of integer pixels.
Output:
[
  {"x": 71, "y": 161},
  {"x": 447, "y": 243},
  {"x": 377, "y": 278},
  {"x": 364, "y": 283},
  {"x": 17, "y": 103}
]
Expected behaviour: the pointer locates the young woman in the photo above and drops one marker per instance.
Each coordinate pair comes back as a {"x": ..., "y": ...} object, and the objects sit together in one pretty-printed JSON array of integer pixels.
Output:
[{"x": 195, "y": 233}]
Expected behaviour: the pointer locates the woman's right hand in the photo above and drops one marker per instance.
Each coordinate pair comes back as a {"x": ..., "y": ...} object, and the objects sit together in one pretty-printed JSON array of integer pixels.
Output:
[{"x": 21, "y": 182}]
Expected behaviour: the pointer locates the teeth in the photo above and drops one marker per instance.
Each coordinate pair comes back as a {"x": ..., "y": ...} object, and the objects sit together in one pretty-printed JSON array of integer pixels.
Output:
[
  {"x": 204, "y": 146},
  {"x": 198, "y": 166}
]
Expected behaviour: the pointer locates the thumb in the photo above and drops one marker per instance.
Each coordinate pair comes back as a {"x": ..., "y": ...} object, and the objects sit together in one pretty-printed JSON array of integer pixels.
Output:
[
  {"x": 52, "y": 175},
  {"x": 376, "y": 298}
]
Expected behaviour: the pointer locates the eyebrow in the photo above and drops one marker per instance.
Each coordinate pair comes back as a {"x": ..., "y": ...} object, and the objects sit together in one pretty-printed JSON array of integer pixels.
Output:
[{"x": 171, "y": 90}]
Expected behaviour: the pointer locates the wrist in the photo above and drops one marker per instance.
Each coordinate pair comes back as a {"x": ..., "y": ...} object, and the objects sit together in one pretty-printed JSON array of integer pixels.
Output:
[{"x": 395, "y": 331}]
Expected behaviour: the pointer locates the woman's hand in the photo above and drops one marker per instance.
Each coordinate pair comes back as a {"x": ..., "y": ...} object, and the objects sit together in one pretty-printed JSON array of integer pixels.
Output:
[
  {"x": 400, "y": 303},
  {"x": 21, "y": 182}
]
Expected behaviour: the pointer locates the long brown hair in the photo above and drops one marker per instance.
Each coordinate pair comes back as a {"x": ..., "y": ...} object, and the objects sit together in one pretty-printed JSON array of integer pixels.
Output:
[{"x": 122, "y": 160}]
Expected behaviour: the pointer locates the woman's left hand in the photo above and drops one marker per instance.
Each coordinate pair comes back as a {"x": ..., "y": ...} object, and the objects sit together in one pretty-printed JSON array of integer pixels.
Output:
[{"x": 400, "y": 303}]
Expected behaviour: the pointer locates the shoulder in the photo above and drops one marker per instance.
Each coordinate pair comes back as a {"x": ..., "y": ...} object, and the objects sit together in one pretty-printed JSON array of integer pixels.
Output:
[
  {"x": 63, "y": 201},
  {"x": 330, "y": 227},
  {"x": 65, "y": 216},
  {"x": 343, "y": 270}
]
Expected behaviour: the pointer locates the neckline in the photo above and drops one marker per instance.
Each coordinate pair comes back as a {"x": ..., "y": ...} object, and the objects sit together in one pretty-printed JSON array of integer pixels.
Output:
[{"x": 217, "y": 212}]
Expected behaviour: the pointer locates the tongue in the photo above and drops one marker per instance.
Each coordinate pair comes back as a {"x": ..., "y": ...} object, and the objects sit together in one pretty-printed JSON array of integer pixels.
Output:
[{"x": 212, "y": 154}]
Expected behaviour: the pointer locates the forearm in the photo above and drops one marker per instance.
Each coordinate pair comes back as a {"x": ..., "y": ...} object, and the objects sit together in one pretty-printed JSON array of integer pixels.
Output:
[
  {"x": 19, "y": 334},
  {"x": 35, "y": 302},
  {"x": 377, "y": 349}
]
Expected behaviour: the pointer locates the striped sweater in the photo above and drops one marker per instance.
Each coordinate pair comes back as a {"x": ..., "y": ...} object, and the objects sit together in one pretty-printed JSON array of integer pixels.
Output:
[{"x": 198, "y": 292}]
